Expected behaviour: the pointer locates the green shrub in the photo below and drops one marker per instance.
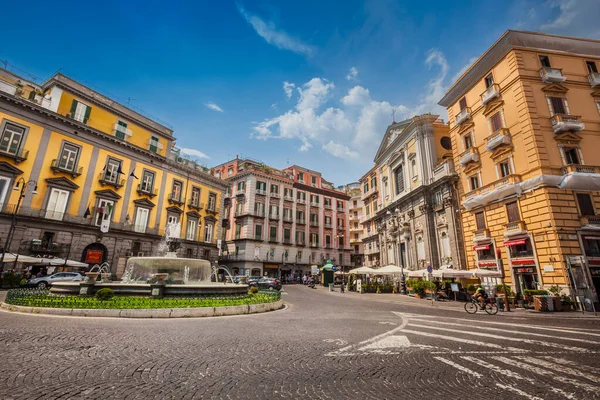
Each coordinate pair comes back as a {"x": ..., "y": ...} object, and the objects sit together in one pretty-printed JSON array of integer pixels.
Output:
[
  {"x": 555, "y": 290},
  {"x": 535, "y": 292},
  {"x": 105, "y": 294},
  {"x": 253, "y": 290},
  {"x": 470, "y": 287},
  {"x": 503, "y": 289}
]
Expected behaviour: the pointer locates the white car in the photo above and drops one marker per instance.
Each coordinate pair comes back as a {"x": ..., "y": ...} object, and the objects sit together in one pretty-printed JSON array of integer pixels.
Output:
[{"x": 46, "y": 281}]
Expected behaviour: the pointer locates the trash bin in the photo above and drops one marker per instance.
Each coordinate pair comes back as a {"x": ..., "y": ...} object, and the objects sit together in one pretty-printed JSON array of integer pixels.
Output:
[
  {"x": 500, "y": 303},
  {"x": 331, "y": 287},
  {"x": 540, "y": 303}
]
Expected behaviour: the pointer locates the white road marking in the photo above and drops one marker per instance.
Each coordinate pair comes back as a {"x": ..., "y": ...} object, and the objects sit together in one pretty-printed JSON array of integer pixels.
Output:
[
  {"x": 389, "y": 342},
  {"x": 339, "y": 342},
  {"x": 559, "y": 368},
  {"x": 518, "y": 391},
  {"x": 510, "y": 339},
  {"x": 506, "y": 330},
  {"x": 563, "y": 361},
  {"x": 465, "y": 341},
  {"x": 459, "y": 367},
  {"x": 387, "y": 323},
  {"x": 569, "y": 396},
  {"x": 495, "y": 368},
  {"x": 540, "y": 371}
]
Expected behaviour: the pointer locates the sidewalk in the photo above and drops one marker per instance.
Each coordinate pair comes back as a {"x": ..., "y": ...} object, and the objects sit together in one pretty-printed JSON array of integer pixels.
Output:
[{"x": 451, "y": 305}]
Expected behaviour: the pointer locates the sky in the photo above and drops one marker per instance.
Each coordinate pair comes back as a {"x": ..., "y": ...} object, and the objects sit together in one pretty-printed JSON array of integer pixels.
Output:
[{"x": 311, "y": 82}]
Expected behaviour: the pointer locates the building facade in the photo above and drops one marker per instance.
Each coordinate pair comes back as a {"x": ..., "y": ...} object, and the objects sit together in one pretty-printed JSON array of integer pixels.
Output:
[
  {"x": 94, "y": 180},
  {"x": 282, "y": 222},
  {"x": 525, "y": 124},
  {"x": 355, "y": 227},
  {"x": 370, "y": 202},
  {"x": 413, "y": 195}
]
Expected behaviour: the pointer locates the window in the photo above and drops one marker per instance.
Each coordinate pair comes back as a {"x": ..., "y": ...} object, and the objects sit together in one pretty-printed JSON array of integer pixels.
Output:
[
  {"x": 496, "y": 122},
  {"x": 176, "y": 192},
  {"x": 241, "y": 186},
  {"x": 327, "y": 220},
  {"x": 480, "y": 220},
  {"x": 154, "y": 144},
  {"x": 104, "y": 211},
  {"x": 208, "y": 233},
  {"x": 238, "y": 231},
  {"x": 229, "y": 171},
  {"x": 340, "y": 222},
  {"x": 521, "y": 249},
  {"x": 4, "y": 190},
  {"x": 287, "y": 233},
  {"x": 262, "y": 186},
  {"x": 413, "y": 167},
  {"x": 314, "y": 239},
  {"x": 586, "y": 206},
  {"x": 147, "y": 181},
  {"x": 273, "y": 234},
  {"x": 438, "y": 197},
  {"x": 545, "y": 61},
  {"x": 314, "y": 218},
  {"x": 489, "y": 80},
  {"x": 259, "y": 209},
  {"x": 504, "y": 168},
  {"x": 195, "y": 199},
  {"x": 366, "y": 188},
  {"x": 314, "y": 199},
  {"x": 327, "y": 201},
  {"x": 57, "y": 204},
  {"x": 444, "y": 245},
  {"x": 191, "y": 229},
  {"x": 313, "y": 180},
  {"x": 11, "y": 139},
  {"x": 172, "y": 220},
  {"x": 68, "y": 157},
  {"x": 468, "y": 141},
  {"x": 374, "y": 183},
  {"x": 112, "y": 170},
  {"x": 289, "y": 193},
  {"x": 399, "y": 177},
  {"x": 512, "y": 212},
  {"x": 141, "y": 219},
  {"x": 462, "y": 103},
  {"x": 355, "y": 203},
  {"x": 474, "y": 182},
  {"x": 420, "y": 248},
  {"x": 591, "y": 66},
  {"x": 301, "y": 177},
  {"x": 121, "y": 129},
  {"x": 274, "y": 188},
  {"x": 300, "y": 237},
  {"x": 300, "y": 215},
  {"x": 80, "y": 112},
  {"x": 368, "y": 209},
  {"x": 558, "y": 105},
  {"x": 327, "y": 240},
  {"x": 212, "y": 202},
  {"x": 287, "y": 214},
  {"x": 571, "y": 155},
  {"x": 274, "y": 211},
  {"x": 301, "y": 196}
]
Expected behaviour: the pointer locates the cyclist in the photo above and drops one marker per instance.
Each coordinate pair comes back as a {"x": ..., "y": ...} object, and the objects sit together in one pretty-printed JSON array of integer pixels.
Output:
[{"x": 480, "y": 295}]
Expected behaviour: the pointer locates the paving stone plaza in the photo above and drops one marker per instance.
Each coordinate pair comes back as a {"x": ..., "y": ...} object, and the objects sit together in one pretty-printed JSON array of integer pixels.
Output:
[{"x": 323, "y": 345}]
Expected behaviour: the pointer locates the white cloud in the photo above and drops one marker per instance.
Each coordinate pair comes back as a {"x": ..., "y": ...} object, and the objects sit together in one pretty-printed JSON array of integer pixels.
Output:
[
  {"x": 462, "y": 70},
  {"x": 566, "y": 17},
  {"x": 352, "y": 74},
  {"x": 278, "y": 38},
  {"x": 314, "y": 93},
  {"x": 339, "y": 150},
  {"x": 194, "y": 153},
  {"x": 213, "y": 106},
  {"x": 288, "y": 88},
  {"x": 568, "y": 12},
  {"x": 356, "y": 96}
]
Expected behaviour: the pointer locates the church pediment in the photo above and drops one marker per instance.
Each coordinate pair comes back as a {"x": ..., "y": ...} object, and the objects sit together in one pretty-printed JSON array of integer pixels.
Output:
[
  {"x": 555, "y": 88},
  {"x": 492, "y": 107}
]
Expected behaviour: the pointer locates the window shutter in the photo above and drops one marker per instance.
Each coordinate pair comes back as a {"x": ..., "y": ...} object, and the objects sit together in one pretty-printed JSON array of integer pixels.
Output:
[
  {"x": 558, "y": 106},
  {"x": 462, "y": 103},
  {"x": 480, "y": 220},
  {"x": 512, "y": 212},
  {"x": 73, "y": 108},
  {"x": 88, "y": 109},
  {"x": 496, "y": 121}
]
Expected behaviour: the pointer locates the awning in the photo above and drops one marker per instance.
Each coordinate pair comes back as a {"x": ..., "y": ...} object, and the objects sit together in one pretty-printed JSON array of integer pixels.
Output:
[
  {"x": 12, "y": 257},
  {"x": 59, "y": 262},
  {"x": 516, "y": 242},
  {"x": 523, "y": 262},
  {"x": 482, "y": 247},
  {"x": 591, "y": 237},
  {"x": 487, "y": 264}
]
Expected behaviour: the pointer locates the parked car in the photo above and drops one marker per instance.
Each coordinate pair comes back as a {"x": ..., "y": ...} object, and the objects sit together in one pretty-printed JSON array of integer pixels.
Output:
[
  {"x": 47, "y": 281},
  {"x": 269, "y": 283},
  {"x": 253, "y": 280}
]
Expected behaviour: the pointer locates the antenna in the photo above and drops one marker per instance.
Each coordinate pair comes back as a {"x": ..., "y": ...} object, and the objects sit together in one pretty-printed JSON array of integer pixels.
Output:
[{"x": 393, "y": 115}]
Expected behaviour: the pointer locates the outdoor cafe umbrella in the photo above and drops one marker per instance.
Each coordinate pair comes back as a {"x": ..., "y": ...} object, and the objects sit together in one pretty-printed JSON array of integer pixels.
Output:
[
  {"x": 12, "y": 257},
  {"x": 485, "y": 273},
  {"x": 59, "y": 262},
  {"x": 390, "y": 270},
  {"x": 362, "y": 271},
  {"x": 420, "y": 273}
]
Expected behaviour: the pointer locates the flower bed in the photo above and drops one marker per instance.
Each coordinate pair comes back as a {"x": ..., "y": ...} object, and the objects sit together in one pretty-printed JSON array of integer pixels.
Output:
[{"x": 43, "y": 298}]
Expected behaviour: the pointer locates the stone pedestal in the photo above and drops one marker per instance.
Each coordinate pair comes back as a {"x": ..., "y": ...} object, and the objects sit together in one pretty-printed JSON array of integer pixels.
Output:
[
  {"x": 87, "y": 288},
  {"x": 157, "y": 290}
]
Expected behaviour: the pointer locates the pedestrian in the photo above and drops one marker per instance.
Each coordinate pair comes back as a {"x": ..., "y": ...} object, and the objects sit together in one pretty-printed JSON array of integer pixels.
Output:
[{"x": 304, "y": 279}]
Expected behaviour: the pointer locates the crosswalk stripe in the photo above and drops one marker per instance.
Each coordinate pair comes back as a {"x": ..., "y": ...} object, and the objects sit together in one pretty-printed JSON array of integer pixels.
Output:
[
  {"x": 592, "y": 370},
  {"x": 568, "y": 396},
  {"x": 559, "y": 368},
  {"x": 518, "y": 391},
  {"x": 507, "y": 331},
  {"x": 465, "y": 341},
  {"x": 511, "y": 339},
  {"x": 459, "y": 367},
  {"x": 540, "y": 371},
  {"x": 495, "y": 368}
]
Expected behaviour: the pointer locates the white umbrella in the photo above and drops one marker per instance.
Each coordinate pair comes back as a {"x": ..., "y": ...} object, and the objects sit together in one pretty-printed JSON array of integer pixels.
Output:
[
  {"x": 12, "y": 257},
  {"x": 60, "y": 262},
  {"x": 456, "y": 273},
  {"x": 420, "y": 273},
  {"x": 390, "y": 270},
  {"x": 486, "y": 273},
  {"x": 362, "y": 270}
]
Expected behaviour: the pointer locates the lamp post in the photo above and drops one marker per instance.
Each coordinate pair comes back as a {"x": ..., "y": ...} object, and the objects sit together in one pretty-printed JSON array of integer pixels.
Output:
[{"x": 21, "y": 185}]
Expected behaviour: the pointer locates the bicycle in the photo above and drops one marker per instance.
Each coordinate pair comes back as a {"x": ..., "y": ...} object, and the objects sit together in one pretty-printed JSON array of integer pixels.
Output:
[{"x": 490, "y": 307}]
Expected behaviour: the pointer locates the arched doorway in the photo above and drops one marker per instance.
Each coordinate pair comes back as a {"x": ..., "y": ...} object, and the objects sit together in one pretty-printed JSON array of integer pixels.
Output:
[{"x": 95, "y": 253}]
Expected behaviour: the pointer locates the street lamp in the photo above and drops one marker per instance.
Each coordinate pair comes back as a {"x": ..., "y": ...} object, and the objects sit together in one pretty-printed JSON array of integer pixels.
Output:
[
  {"x": 406, "y": 229},
  {"x": 21, "y": 185}
]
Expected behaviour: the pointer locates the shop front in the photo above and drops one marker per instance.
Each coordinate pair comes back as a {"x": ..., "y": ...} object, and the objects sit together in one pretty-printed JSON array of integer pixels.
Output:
[
  {"x": 270, "y": 270},
  {"x": 486, "y": 256},
  {"x": 522, "y": 262},
  {"x": 591, "y": 248}
]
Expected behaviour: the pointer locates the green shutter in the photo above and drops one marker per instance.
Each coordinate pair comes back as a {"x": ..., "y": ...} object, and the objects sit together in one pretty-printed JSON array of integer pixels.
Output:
[
  {"x": 87, "y": 114},
  {"x": 73, "y": 108}
]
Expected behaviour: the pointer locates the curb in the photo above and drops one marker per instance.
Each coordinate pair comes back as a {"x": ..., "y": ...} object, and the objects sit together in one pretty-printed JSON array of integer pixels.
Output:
[{"x": 150, "y": 312}]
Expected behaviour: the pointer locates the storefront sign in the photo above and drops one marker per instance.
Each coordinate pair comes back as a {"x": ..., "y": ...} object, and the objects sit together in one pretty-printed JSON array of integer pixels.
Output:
[
  {"x": 481, "y": 247},
  {"x": 594, "y": 262},
  {"x": 487, "y": 264},
  {"x": 94, "y": 256},
  {"x": 591, "y": 237},
  {"x": 523, "y": 262},
  {"x": 525, "y": 270},
  {"x": 271, "y": 266},
  {"x": 516, "y": 242}
]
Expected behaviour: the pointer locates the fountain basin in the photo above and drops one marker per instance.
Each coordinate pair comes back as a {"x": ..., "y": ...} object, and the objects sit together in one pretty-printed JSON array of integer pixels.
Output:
[
  {"x": 144, "y": 289},
  {"x": 176, "y": 271}
]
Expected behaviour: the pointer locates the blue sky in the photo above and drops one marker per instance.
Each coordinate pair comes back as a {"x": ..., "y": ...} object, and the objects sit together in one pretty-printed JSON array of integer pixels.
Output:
[{"x": 300, "y": 82}]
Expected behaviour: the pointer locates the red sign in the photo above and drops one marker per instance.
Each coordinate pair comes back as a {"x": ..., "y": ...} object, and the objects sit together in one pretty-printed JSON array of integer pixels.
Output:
[
  {"x": 523, "y": 262},
  {"x": 594, "y": 262},
  {"x": 94, "y": 256},
  {"x": 482, "y": 247},
  {"x": 515, "y": 242},
  {"x": 525, "y": 270},
  {"x": 591, "y": 237},
  {"x": 487, "y": 264}
]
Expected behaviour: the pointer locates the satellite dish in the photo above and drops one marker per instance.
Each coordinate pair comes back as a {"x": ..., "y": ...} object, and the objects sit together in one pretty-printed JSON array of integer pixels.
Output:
[{"x": 446, "y": 143}]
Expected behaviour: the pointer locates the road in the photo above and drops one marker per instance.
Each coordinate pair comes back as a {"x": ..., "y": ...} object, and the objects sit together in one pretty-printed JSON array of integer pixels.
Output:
[{"x": 323, "y": 346}]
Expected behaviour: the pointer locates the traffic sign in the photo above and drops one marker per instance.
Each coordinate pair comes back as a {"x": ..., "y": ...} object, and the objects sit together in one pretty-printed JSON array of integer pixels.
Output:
[
  {"x": 429, "y": 269},
  {"x": 333, "y": 268}
]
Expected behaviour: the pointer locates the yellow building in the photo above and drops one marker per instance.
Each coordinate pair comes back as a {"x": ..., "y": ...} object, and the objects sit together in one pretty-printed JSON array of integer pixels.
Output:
[
  {"x": 525, "y": 125},
  {"x": 94, "y": 180}
]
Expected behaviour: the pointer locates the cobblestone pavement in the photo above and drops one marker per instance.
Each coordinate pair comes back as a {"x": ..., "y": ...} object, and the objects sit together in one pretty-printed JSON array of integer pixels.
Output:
[{"x": 323, "y": 346}]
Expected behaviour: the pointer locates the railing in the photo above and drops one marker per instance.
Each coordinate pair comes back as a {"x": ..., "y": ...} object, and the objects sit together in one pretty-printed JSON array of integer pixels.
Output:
[
  {"x": 301, "y": 201},
  {"x": 507, "y": 180},
  {"x": 56, "y": 167},
  {"x": 19, "y": 156},
  {"x": 341, "y": 209},
  {"x": 272, "y": 239},
  {"x": 196, "y": 205},
  {"x": 327, "y": 226},
  {"x": 288, "y": 218},
  {"x": 518, "y": 226},
  {"x": 490, "y": 93},
  {"x": 567, "y": 123},
  {"x": 273, "y": 216},
  {"x": 105, "y": 179},
  {"x": 212, "y": 209},
  {"x": 313, "y": 244},
  {"x": 443, "y": 169},
  {"x": 274, "y": 195},
  {"x": 8, "y": 88},
  {"x": 262, "y": 192},
  {"x": 590, "y": 220},
  {"x": 147, "y": 191},
  {"x": 154, "y": 146},
  {"x": 482, "y": 233},
  {"x": 327, "y": 206},
  {"x": 498, "y": 138},
  {"x": 552, "y": 75},
  {"x": 121, "y": 132},
  {"x": 239, "y": 213},
  {"x": 288, "y": 198},
  {"x": 314, "y": 204},
  {"x": 259, "y": 213},
  {"x": 341, "y": 228},
  {"x": 594, "y": 78},
  {"x": 287, "y": 241},
  {"x": 588, "y": 169},
  {"x": 301, "y": 221},
  {"x": 300, "y": 243},
  {"x": 174, "y": 199},
  {"x": 240, "y": 192},
  {"x": 463, "y": 115},
  {"x": 468, "y": 156},
  {"x": 314, "y": 223}
]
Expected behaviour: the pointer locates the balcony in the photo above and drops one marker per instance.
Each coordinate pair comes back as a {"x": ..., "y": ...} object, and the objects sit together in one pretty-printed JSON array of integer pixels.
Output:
[
  {"x": 288, "y": 198},
  {"x": 154, "y": 146},
  {"x": 261, "y": 192},
  {"x": 594, "y": 78},
  {"x": 274, "y": 195},
  {"x": 327, "y": 226},
  {"x": 469, "y": 156},
  {"x": 497, "y": 139},
  {"x": 74, "y": 172},
  {"x": 587, "y": 169},
  {"x": 313, "y": 244},
  {"x": 240, "y": 191},
  {"x": 175, "y": 199},
  {"x": 274, "y": 216},
  {"x": 567, "y": 123},
  {"x": 287, "y": 241},
  {"x": 273, "y": 240},
  {"x": 341, "y": 228},
  {"x": 496, "y": 185},
  {"x": 300, "y": 242},
  {"x": 314, "y": 204},
  {"x": 212, "y": 209},
  {"x": 301, "y": 201},
  {"x": 552, "y": 75},
  {"x": 481, "y": 234},
  {"x": 148, "y": 191},
  {"x": 300, "y": 221},
  {"x": 122, "y": 132},
  {"x": 258, "y": 213},
  {"x": 443, "y": 169},
  {"x": 239, "y": 213},
  {"x": 19, "y": 156},
  {"x": 593, "y": 220},
  {"x": 314, "y": 223},
  {"x": 327, "y": 206},
  {"x": 513, "y": 228},
  {"x": 463, "y": 115},
  {"x": 195, "y": 205},
  {"x": 113, "y": 181},
  {"x": 490, "y": 93},
  {"x": 341, "y": 209}
]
